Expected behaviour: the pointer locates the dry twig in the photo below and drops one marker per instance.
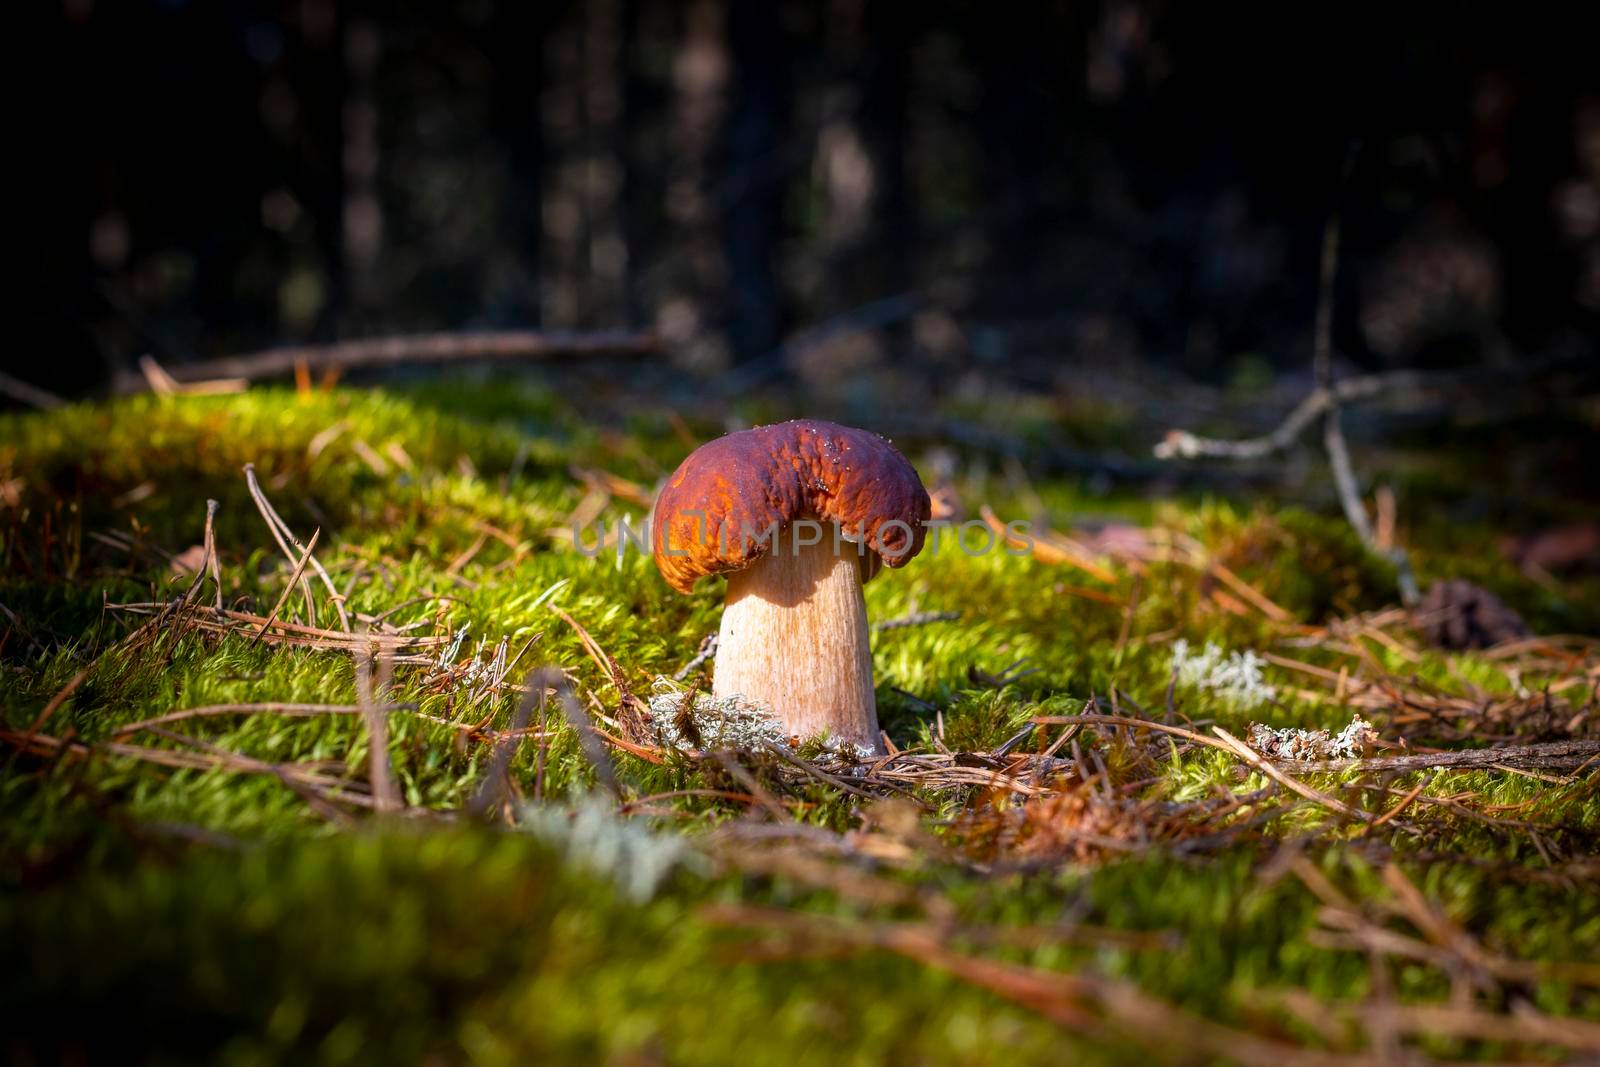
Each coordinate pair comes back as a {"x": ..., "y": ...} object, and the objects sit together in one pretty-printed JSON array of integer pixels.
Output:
[
  {"x": 418, "y": 348},
  {"x": 285, "y": 536}
]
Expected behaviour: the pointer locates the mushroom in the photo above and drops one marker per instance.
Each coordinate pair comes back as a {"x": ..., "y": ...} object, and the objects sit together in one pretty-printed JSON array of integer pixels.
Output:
[{"x": 798, "y": 516}]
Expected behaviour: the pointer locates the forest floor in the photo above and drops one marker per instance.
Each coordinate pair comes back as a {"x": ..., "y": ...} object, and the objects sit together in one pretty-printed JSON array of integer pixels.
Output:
[{"x": 238, "y": 828}]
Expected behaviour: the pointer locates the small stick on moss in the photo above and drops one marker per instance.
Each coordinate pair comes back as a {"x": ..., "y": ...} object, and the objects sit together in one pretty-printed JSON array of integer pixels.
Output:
[
  {"x": 285, "y": 632},
  {"x": 385, "y": 793},
  {"x": 295, "y": 578},
  {"x": 202, "y": 571},
  {"x": 211, "y": 551},
  {"x": 61, "y": 747},
  {"x": 915, "y": 618},
  {"x": 1467, "y": 1023},
  {"x": 1405, "y": 802},
  {"x": 280, "y": 531},
  {"x": 1434, "y": 924},
  {"x": 270, "y": 517},
  {"x": 1548, "y": 755},
  {"x": 708, "y": 648},
  {"x": 1015, "y": 739}
]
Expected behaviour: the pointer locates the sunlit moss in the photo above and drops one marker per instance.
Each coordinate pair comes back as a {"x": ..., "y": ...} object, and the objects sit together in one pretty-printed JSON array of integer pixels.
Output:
[{"x": 302, "y": 939}]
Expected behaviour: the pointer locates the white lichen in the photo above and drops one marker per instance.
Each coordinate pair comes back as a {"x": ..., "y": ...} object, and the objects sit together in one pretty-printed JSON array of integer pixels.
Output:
[
  {"x": 1291, "y": 745},
  {"x": 719, "y": 722},
  {"x": 596, "y": 838},
  {"x": 1236, "y": 676},
  {"x": 729, "y": 722}
]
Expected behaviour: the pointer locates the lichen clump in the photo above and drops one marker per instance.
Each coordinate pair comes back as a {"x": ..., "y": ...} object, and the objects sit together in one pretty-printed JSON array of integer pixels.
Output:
[
  {"x": 703, "y": 722},
  {"x": 1307, "y": 745},
  {"x": 1234, "y": 675},
  {"x": 698, "y": 721}
]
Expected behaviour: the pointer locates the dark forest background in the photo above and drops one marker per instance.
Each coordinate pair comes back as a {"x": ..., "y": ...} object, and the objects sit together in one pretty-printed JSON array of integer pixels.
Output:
[{"x": 974, "y": 189}]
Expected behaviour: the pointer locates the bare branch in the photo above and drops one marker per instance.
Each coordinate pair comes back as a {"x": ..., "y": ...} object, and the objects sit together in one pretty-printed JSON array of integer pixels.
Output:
[
  {"x": 296, "y": 578},
  {"x": 417, "y": 348},
  {"x": 280, "y": 531},
  {"x": 1552, "y": 755},
  {"x": 25, "y": 393}
]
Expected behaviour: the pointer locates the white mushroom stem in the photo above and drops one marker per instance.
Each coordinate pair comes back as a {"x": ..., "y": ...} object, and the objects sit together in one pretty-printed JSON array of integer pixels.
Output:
[{"x": 794, "y": 640}]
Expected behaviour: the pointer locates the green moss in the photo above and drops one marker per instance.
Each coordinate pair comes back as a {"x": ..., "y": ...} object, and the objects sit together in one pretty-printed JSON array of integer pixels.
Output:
[{"x": 212, "y": 914}]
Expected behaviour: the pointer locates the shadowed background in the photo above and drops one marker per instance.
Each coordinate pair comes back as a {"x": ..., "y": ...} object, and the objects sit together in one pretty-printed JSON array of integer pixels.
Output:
[
  {"x": 969, "y": 192},
  {"x": 1066, "y": 256}
]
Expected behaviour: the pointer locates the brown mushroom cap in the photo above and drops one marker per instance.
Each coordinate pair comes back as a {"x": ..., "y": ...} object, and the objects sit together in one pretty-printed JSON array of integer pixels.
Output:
[{"x": 714, "y": 509}]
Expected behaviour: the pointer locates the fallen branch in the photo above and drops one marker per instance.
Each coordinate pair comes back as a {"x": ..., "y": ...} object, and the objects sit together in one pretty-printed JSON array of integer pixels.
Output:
[
  {"x": 1325, "y": 401},
  {"x": 1349, "y": 392},
  {"x": 1343, "y": 470},
  {"x": 1181, "y": 444},
  {"x": 1126, "y": 720},
  {"x": 163, "y": 384},
  {"x": 24, "y": 393},
  {"x": 411, "y": 349},
  {"x": 1548, "y": 756}
]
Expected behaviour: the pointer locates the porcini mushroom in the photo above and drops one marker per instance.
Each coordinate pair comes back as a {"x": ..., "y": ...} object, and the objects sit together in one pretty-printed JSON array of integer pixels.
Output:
[{"x": 798, "y": 516}]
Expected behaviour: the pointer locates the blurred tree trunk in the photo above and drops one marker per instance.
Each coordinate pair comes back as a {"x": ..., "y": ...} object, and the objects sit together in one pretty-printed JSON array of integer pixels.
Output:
[
  {"x": 844, "y": 170},
  {"x": 890, "y": 30},
  {"x": 604, "y": 170},
  {"x": 753, "y": 190},
  {"x": 519, "y": 72},
  {"x": 1012, "y": 133},
  {"x": 362, "y": 222},
  {"x": 694, "y": 270},
  {"x": 319, "y": 84},
  {"x": 586, "y": 257},
  {"x": 867, "y": 227},
  {"x": 563, "y": 281}
]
